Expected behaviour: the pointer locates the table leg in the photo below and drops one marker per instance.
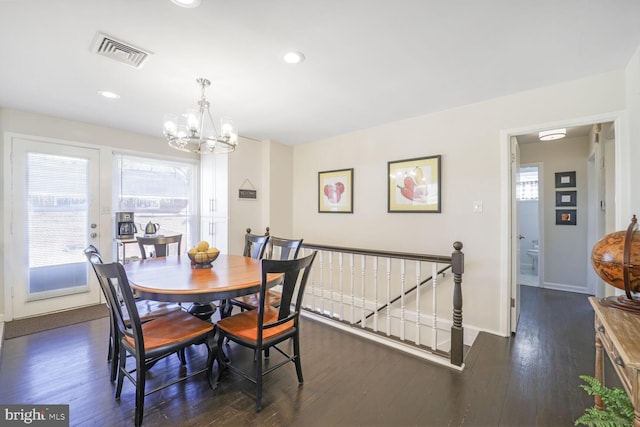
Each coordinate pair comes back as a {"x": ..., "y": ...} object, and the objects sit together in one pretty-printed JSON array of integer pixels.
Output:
[{"x": 599, "y": 373}]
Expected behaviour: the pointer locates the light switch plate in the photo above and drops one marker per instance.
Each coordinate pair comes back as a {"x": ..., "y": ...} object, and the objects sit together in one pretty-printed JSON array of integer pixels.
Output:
[{"x": 477, "y": 206}]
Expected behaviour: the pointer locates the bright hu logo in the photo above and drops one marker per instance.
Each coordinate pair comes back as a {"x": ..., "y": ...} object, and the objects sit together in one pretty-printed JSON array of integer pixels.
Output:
[{"x": 38, "y": 415}]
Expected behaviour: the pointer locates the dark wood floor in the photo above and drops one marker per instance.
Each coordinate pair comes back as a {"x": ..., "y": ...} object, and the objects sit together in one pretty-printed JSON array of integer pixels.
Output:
[{"x": 530, "y": 379}]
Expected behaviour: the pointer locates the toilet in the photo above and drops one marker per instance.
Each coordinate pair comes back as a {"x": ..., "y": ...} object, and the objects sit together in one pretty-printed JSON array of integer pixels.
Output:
[{"x": 533, "y": 253}]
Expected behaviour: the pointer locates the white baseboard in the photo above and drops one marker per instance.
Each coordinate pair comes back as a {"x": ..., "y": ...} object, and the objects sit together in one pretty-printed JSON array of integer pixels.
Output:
[{"x": 567, "y": 288}]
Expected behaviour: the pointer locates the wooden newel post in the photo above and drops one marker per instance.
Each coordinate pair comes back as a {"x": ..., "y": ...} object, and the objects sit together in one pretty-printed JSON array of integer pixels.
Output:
[{"x": 457, "y": 331}]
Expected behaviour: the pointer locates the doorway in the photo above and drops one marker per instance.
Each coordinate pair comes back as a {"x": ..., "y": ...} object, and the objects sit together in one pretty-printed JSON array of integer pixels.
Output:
[
  {"x": 568, "y": 263},
  {"x": 54, "y": 216}
]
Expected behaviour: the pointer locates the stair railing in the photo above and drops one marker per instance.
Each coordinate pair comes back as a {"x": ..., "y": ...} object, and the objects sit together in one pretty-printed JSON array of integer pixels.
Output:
[{"x": 385, "y": 296}]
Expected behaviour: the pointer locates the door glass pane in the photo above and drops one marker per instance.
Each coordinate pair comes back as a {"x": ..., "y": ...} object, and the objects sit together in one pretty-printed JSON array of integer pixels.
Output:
[{"x": 57, "y": 210}]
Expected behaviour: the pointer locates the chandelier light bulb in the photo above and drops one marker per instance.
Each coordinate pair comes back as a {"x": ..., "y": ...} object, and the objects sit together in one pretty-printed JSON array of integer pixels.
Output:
[{"x": 170, "y": 124}]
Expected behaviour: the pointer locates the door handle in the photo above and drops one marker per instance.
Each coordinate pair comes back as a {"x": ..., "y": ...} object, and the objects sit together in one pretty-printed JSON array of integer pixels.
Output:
[{"x": 521, "y": 236}]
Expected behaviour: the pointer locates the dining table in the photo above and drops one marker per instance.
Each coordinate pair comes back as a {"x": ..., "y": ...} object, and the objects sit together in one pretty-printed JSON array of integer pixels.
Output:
[{"x": 177, "y": 279}]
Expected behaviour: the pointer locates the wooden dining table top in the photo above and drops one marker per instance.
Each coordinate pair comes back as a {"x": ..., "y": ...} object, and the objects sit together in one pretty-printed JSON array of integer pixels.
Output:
[{"x": 176, "y": 279}]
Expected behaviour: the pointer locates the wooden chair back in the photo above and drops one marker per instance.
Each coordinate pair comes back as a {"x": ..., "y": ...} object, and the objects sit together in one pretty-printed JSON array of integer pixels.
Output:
[
  {"x": 255, "y": 244},
  {"x": 293, "y": 285},
  {"x": 282, "y": 249},
  {"x": 160, "y": 245},
  {"x": 115, "y": 277}
]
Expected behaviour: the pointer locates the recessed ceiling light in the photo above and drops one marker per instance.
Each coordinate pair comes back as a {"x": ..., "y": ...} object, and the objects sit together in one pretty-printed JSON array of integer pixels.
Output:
[
  {"x": 293, "y": 57},
  {"x": 550, "y": 135},
  {"x": 187, "y": 3},
  {"x": 110, "y": 95}
]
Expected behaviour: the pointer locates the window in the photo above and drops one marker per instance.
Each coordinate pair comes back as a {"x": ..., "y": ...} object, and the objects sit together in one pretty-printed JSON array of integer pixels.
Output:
[
  {"x": 527, "y": 184},
  {"x": 160, "y": 191}
]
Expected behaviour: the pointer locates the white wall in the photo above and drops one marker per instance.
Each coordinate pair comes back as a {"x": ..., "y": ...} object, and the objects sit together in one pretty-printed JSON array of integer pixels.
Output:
[
  {"x": 246, "y": 166},
  {"x": 468, "y": 139},
  {"x": 565, "y": 260},
  {"x": 268, "y": 166},
  {"x": 280, "y": 178},
  {"x": 633, "y": 156}
]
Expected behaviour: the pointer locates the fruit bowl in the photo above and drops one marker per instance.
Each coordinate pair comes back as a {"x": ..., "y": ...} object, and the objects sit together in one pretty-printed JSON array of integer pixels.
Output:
[
  {"x": 202, "y": 255},
  {"x": 203, "y": 259}
]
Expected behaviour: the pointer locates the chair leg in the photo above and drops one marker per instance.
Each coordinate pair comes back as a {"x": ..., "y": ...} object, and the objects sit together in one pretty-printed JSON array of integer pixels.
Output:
[
  {"x": 140, "y": 383},
  {"x": 111, "y": 342},
  {"x": 296, "y": 355},
  {"x": 182, "y": 357},
  {"x": 122, "y": 366},
  {"x": 115, "y": 351},
  {"x": 258, "y": 379}
]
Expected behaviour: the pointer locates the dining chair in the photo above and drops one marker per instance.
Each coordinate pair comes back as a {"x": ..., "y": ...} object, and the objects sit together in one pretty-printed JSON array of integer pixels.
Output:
[
  {"x": 160, "y": 245},
  {"x": 147, "y": 310},
  {"x": 254, "y": 247},
  {"x": 268, "y": 326},
  {"x": 149, "y": 342},
  {"x": 277, "y": 249}
]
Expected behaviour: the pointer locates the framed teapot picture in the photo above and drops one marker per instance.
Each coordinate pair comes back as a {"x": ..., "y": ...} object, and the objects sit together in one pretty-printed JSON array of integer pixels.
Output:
[{"x": 414, "y": 185}]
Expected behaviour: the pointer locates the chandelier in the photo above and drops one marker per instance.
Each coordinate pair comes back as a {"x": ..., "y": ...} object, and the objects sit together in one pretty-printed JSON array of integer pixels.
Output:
[{"x": 194, "y": 131}]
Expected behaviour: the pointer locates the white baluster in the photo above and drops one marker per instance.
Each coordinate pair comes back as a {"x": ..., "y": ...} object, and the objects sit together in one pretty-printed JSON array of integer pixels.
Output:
[
  {"x": 402, "y": 302},
  {"x": 320, "y": 306},
  {"x": 417, "y": 339},
  {"x": 341, "y": 267},
  {"x": 388, "y": 296},
  {"x": 352, "y": 280},
  {"x": 434, "y": 327},
  {"x": 331, "y": 279},
  {"x": 375, "y": 294},
  {"x": 364, "y": 317}
]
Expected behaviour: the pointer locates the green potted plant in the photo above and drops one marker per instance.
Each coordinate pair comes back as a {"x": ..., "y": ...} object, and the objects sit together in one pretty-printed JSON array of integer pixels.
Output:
[{"x": 618, "y": 409}]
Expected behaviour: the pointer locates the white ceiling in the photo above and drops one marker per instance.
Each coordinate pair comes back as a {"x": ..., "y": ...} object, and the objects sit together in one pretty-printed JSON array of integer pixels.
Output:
[{"x": 368, "y": 62}]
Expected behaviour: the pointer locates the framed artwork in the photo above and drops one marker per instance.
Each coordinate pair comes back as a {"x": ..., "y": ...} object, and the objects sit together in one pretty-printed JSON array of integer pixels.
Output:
[
  {"x": 565, "y": 179},
  {"x": 414, "y": 185},
  {"x": 335, "y": 191},
  {"x": 565, "y": 217},
  {"x": 566, "y": 198}
]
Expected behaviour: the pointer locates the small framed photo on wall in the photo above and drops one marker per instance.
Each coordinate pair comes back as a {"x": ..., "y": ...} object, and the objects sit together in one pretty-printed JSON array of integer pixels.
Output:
[
  {"x": 565, "y": 179},
  {"x": 566, "y": 217},
  {"x": 566, "y": 198}
]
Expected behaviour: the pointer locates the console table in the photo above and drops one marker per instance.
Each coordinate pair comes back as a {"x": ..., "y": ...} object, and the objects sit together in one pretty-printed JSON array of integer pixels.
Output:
[{"x": 618, "y": 333}]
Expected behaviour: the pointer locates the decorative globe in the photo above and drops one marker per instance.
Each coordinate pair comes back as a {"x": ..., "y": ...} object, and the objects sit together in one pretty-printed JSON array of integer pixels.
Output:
[{"x": 608, "y": 258}]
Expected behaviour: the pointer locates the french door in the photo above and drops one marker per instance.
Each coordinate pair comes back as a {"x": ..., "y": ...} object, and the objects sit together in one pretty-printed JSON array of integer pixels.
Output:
[{"x": 54, "y": 216}]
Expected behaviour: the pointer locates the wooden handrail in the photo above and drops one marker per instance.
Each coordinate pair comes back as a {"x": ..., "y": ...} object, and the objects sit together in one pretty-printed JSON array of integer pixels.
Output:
[{"x": 385, "y": 254}]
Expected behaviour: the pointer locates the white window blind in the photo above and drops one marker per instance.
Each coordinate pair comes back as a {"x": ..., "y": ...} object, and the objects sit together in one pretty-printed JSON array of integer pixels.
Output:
[
  {"x": 161, "y": 191},
  {"x": 527, "y": 184}
]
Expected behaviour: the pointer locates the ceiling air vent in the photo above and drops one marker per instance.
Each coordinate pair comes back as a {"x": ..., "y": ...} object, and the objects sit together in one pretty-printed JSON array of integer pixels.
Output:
[{"x": 120, "y": 51}]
